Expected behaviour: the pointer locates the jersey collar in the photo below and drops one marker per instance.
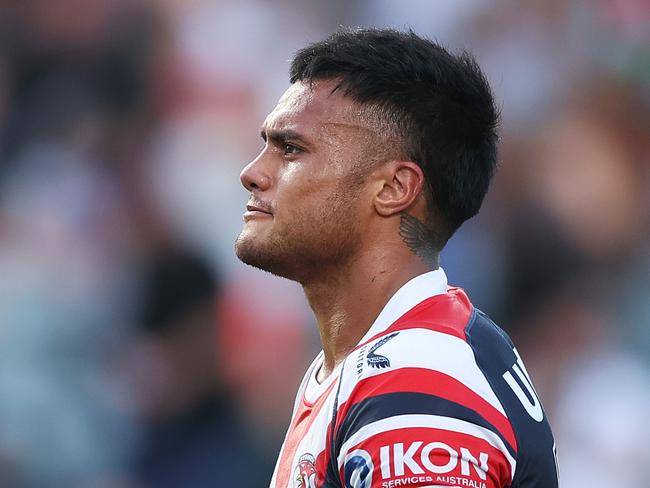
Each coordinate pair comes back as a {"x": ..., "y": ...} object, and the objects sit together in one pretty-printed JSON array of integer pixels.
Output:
[{"x": 413, "y": 292}]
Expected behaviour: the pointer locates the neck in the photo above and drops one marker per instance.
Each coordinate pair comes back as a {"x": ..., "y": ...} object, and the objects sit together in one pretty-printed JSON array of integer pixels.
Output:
[{"x": 347, "y": 301}]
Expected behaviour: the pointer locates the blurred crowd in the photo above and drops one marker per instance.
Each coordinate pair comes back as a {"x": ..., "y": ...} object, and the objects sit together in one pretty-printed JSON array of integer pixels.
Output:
[{"x": 136, "y": 352}]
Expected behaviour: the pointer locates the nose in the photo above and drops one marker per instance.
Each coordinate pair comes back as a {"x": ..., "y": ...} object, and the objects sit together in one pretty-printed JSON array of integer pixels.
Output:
[{"x": 255, "y": 176}]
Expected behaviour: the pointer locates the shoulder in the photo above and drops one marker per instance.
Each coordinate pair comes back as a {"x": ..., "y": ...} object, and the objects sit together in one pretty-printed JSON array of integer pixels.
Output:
[
  {"x": 417, "y": 365},
  {"x": 443, "y": 375},
  {"x": 427, "y": 350}
]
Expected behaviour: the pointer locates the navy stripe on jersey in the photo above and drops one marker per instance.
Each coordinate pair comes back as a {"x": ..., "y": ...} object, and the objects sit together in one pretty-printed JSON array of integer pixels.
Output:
[
  {"x": 495, "y": 355},
  {"x": 388, "y": 405}
]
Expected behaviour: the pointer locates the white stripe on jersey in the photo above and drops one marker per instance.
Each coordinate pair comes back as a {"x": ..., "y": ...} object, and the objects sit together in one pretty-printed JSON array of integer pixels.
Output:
[
  {"x": 428, "y": 349},
  {"x": 426, "y": 421}
]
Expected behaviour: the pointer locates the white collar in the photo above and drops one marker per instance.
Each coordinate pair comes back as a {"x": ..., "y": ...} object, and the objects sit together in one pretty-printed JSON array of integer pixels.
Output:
[{"x": 408, "y": 296}]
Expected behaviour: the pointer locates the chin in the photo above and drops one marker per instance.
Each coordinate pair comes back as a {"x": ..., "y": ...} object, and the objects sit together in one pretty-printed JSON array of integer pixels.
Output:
[
  {"x": 262, "y": 255},
  {"x": 245, "y": 249},
  {"x": 295, "y": 258}
]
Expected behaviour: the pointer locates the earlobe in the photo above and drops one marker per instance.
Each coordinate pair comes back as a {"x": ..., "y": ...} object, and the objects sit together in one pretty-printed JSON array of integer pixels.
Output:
[{"x": 402, "y": 183}]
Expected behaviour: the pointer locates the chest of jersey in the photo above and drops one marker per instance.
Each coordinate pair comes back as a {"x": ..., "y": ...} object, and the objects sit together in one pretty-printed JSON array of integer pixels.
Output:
[{"x": 304, "y": 456}]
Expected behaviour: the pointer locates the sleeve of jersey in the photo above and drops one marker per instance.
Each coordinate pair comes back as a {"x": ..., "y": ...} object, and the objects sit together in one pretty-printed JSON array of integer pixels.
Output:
[{"x": 421, "y": 427}]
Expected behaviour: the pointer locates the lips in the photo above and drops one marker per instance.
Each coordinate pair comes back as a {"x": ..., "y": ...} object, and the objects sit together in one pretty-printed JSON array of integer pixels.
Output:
[{"x": 258, "y": 208}]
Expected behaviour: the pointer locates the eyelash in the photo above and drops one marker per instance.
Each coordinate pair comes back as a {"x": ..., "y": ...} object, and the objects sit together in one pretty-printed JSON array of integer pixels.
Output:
[{"x": 289, "y": 149}]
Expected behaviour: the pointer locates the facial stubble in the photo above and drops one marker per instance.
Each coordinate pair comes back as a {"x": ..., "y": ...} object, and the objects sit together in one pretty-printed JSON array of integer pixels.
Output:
[{"x": 317, "y": 239}]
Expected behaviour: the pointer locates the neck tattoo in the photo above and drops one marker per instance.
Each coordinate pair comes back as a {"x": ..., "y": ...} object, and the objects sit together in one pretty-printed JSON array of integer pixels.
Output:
[{"x": 419, "y": 238}]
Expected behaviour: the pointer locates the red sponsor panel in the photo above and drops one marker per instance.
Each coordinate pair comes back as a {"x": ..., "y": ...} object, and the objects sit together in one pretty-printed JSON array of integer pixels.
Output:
[{"x": 418, "y": 457}]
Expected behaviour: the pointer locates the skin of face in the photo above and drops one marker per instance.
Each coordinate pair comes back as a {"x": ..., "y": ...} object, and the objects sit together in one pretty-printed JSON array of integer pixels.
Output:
[{"x": 309, "y": 193}]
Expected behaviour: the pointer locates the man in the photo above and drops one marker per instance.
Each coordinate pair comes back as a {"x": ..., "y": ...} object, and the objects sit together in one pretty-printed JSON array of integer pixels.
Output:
[{"x": 381, "y": 147}]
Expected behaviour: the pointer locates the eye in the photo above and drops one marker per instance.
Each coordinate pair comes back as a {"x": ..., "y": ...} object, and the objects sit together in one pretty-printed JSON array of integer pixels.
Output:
[{"x": 290, "y": 149}]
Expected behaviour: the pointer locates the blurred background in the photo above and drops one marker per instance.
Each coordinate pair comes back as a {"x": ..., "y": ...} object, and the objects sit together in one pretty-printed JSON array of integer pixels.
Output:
[{"x": 137, "y": 352}]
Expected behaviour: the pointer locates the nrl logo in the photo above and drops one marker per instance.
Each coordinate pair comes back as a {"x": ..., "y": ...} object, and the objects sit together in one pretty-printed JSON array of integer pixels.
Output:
[{"x": 377, "y": 360}]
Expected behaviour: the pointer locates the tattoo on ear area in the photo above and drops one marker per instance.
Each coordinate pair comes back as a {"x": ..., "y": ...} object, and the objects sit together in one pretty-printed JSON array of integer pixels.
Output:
[{"x": 419, "y": 238}]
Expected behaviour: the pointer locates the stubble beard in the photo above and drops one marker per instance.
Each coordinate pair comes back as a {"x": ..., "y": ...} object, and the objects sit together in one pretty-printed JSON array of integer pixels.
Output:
[{"x": 311, "y": 246}]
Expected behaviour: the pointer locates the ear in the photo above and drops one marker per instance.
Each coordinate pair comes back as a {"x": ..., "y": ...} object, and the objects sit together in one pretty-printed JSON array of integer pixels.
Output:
[{"x": 400, "y": 184}]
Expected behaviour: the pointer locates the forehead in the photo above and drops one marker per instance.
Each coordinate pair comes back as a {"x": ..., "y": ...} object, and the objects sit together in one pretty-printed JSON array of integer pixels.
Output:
[{"x": 316, "y": 108}]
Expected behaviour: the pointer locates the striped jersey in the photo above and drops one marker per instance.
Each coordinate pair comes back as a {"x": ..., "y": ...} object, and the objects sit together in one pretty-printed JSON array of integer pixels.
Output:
[{"x": 434, "y": 395}]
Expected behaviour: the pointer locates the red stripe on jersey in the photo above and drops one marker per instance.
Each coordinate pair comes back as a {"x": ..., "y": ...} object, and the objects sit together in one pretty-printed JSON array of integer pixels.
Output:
[
  {"x": 426, "y": 456},
  {"x": 448, "y": 313},
  {"x": 420, "y": 380},
  {"x": 302, "y": 422}
]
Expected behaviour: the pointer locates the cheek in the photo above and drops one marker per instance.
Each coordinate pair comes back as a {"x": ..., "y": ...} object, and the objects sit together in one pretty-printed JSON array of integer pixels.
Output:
[
  {"x": 291, "y": 178},
  {"x": 298, "y": 184}
]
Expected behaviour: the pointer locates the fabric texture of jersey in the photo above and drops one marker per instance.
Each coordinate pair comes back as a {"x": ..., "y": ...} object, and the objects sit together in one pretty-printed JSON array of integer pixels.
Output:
[{"x": 434, "y": 395}]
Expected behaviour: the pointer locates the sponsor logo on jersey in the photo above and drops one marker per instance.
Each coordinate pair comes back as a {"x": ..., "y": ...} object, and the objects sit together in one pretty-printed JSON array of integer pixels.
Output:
[
  {"x": 448, "y": 480},
  {"x": 529, "y": 399},
  {"x": 305, "y": 473},
  {"x": 360, "y": 363},
  {"x": 377, "y": 360},
  {"x": 417, "y": 462},
  {"x": 358, "y": 468}
]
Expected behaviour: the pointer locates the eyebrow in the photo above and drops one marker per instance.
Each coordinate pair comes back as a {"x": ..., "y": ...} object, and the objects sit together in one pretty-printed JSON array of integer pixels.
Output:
[{"x": 281, "y": 136}]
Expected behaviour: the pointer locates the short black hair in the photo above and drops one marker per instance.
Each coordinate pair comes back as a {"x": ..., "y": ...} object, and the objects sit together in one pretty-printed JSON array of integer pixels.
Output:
[{"x": 439, "y": 104}]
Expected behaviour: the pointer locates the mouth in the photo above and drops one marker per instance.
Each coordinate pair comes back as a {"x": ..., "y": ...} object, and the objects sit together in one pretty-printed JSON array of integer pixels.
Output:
[{"x": 256, "y": 211}]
